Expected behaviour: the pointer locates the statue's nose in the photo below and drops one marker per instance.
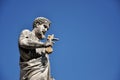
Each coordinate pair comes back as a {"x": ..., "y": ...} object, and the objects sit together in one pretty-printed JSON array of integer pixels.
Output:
[{"x": 45, "y": 29}]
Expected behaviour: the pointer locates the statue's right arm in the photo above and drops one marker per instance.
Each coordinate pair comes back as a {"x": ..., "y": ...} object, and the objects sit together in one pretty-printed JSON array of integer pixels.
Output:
[{"x": 26, "y": 42}]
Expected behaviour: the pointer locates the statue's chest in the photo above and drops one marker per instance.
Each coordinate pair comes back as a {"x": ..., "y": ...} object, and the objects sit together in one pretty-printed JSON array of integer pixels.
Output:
[
  {"x": 32, "y": 36},
  {"x": 37, "y": 50}
]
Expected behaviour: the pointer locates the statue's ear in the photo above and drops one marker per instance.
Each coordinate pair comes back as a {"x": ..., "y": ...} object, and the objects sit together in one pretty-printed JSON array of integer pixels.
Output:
[{"x": 37, "y": 24}]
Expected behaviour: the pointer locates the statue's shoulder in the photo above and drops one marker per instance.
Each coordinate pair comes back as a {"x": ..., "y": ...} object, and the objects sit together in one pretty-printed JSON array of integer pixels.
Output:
[{"x": 25, "y": 32}]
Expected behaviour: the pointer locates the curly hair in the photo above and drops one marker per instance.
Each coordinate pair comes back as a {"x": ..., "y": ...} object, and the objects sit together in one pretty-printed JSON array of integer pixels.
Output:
[{"x": 41, "y": 20}]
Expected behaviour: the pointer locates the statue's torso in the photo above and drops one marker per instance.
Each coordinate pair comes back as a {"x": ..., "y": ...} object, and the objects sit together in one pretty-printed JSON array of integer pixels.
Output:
[
  {"x": 28, "y": 54},
  {"x": 34, "y": 63}
]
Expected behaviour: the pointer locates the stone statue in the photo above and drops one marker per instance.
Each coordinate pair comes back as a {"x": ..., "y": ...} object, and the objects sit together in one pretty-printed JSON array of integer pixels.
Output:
[{"x": 34, "y": 54}]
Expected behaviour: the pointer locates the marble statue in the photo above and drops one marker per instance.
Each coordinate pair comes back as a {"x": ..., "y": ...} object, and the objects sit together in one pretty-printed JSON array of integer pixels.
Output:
[{"x": 34, "y": 54}]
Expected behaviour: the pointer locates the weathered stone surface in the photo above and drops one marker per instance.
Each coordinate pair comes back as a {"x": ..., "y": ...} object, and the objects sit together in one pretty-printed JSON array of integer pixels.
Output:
[{"x": 34, "y": 54}]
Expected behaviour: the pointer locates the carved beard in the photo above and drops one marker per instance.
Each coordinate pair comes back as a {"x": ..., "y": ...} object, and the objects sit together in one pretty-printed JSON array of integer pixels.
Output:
[{"x": 40, "y": 34}]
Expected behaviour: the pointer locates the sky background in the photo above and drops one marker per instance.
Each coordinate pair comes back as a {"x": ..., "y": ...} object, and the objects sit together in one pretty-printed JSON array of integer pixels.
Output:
[{"x": 89, "y": 33}]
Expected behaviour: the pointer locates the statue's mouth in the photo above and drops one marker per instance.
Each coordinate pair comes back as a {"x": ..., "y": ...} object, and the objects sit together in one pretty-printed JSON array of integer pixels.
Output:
[{"x": 43, "y": 32}]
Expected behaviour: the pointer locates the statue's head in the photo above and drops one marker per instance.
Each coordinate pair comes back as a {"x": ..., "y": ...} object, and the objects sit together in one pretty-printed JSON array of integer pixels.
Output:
[{"x": 40, "y": 26}]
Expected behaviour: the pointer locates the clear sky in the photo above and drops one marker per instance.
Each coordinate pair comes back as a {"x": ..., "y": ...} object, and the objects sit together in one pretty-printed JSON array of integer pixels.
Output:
[{"x": 89, "y": 32}]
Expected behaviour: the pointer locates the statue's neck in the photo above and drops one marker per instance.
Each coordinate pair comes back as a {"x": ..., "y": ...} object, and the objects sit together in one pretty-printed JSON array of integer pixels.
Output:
[{"x": 34, "y": 34}]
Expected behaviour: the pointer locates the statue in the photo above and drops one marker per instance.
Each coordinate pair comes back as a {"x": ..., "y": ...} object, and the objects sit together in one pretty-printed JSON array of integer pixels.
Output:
[{"x": 34, "y": 54}]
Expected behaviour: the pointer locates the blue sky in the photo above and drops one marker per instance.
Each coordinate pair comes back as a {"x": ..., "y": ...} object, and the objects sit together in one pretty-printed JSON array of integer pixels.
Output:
[{"x": 89, "y": 33}]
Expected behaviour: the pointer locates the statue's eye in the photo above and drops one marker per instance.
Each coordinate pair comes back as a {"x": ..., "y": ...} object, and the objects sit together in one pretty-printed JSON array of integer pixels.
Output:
[
  {"x": 26, "y": 36},
  {"x": 45, "y": 26}
]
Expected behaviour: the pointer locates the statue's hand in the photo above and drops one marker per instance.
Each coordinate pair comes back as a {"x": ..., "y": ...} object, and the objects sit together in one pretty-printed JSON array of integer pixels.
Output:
[{"x": 49, "y": 50}]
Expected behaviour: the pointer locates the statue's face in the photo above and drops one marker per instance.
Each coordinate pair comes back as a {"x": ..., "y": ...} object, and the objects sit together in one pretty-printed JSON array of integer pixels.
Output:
[{"x": 41, "y": 30}]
